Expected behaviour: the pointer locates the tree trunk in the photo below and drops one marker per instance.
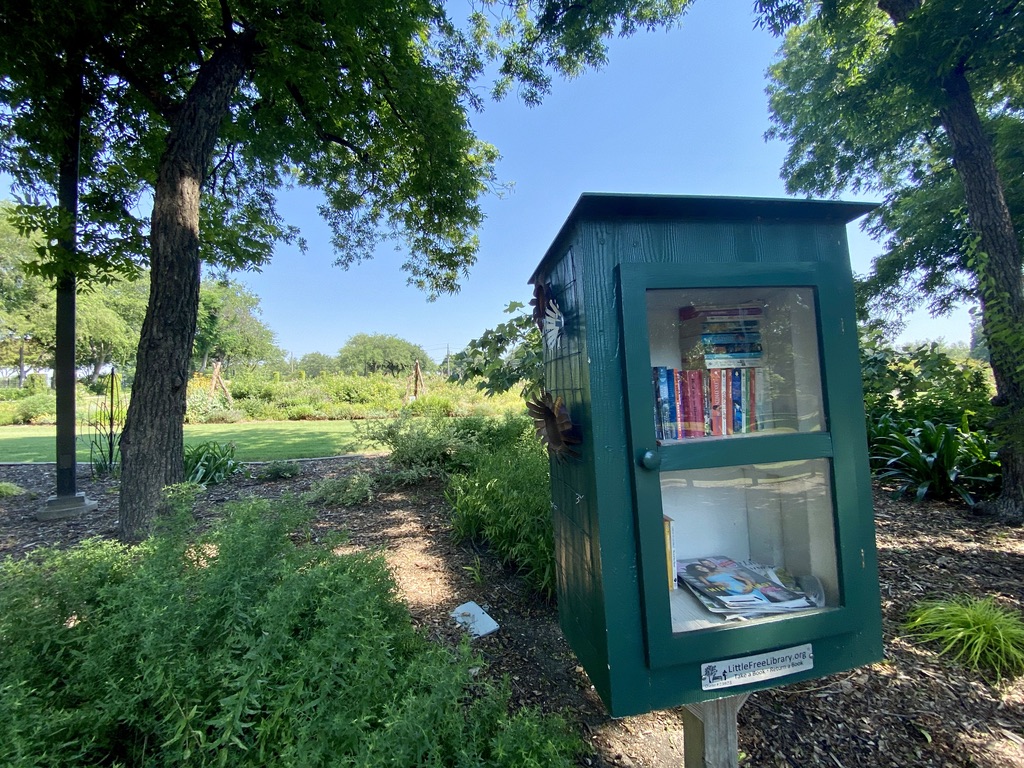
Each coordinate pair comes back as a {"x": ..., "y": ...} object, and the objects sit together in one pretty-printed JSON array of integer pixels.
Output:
[
  {"x": 66, "y": 292},
  {"x": 152, "y": 450},
  {"x": 1000, "y": 283},
  {"x": 22, "y": 370}
]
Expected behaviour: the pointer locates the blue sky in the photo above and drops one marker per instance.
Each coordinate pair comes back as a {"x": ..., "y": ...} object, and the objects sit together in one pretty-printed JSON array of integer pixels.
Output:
[{"x": 679, "y": 111}]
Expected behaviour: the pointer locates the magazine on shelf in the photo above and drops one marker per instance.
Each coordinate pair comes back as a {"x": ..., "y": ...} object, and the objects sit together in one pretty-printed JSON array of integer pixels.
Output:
[{"x": 741, "y": 589}]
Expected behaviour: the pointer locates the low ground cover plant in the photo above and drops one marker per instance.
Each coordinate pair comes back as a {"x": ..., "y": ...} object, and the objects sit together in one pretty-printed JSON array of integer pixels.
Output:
[
  {"x": 10, "y": 489},
  {"x": 210, "y": 463},
  {"x": 238, "y": 647},
  {"x": 978, "y": 633}
]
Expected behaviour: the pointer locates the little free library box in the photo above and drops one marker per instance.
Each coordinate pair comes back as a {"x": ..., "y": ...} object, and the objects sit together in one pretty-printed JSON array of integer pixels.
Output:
[{"x": 709, "y": 475}]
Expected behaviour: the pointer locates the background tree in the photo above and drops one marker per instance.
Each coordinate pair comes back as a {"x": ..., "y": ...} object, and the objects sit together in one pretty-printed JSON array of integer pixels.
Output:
[
  {"x": 367, "y": 353},
  {"x": 26, "y": 303},
  {"x": 109, "y": 319},
  {"x": 316, "y": 363},
  {"x": 229, "y": 329},
  {"x": 922, "y": 102},
  {"x": 366, "y": 102}
]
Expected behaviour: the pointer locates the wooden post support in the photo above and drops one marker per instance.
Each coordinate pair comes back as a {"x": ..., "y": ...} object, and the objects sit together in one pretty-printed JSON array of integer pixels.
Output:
[{"x": 710, "y": 738}]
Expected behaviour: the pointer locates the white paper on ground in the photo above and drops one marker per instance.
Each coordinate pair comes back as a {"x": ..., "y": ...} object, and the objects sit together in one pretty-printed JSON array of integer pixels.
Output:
[{"x": 475, "y": 619}]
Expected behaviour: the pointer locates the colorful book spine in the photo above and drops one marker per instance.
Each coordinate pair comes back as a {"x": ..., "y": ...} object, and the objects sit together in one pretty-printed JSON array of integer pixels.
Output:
[
  {"x": 736, "y": 397},
  {"x": 715, "y": 398},
  {"x": 734, "y": 337},
  {"x": 695, "y": 386},
  {"x": 672, "y": 428},
  {"x": 659, "y": 429}
]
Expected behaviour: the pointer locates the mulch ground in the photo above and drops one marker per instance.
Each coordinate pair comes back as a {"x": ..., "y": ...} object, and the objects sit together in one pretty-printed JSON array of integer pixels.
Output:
[{"x": 912, "y": 709}]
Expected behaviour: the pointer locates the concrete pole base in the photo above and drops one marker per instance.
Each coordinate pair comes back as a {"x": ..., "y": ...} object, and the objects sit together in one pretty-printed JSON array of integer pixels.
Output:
[{"x": 59, "y": 507}]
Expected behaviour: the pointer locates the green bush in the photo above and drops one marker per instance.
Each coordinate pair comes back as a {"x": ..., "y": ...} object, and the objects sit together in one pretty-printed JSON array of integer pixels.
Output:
[
  {"x": 505, "y": 500},
  {"x": 39, "y": 408},
  {"x": 938, "y": 461},
  {"x": 210, "y": 463},
  {"x": 349, "y": 491},
  {"x": 923, "y": 383},
  {"x": 304, "y": 412},
  {"x": 204, "y": 406},
  {"x": 420, "y": 442},
  {"x": 35, "y": 383},
  {"x": 280, "y": 470},
  {"x": 377, "y": 390},
  {"x": 442, "y": 444},
  {"x": 259, "y": 410},
  {"x": 977, "y": 632},
  {"x": 239, "y": 648},
  {"x": 433, "y": 405}
]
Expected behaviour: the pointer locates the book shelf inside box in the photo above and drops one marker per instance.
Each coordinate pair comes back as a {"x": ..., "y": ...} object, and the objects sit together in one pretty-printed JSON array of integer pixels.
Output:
[{"x": 734, "y": 362}]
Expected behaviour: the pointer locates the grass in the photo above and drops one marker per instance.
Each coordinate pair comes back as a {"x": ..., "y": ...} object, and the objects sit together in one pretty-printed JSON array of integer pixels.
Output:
[
  {"x": 976, "y": 632},
  {"x": 254, "y": 441}
]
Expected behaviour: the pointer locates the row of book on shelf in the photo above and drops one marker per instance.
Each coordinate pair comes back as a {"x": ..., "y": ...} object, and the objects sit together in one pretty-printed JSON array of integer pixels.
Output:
[
  {"x": 721, "y": 386},
  {"x": 716, "y": 401}
]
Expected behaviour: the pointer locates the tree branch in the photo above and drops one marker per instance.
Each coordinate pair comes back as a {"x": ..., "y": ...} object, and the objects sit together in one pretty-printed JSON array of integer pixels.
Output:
[
  {"x": 113, "y": 58},
  {"x": 323, "y": 133}
]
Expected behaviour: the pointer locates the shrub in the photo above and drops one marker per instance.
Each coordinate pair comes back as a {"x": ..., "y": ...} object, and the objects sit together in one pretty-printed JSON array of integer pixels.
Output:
[
  {"x": 40, "y": 408},
  {"x": 349, "y": 491},
  {"x": 304, "y": 412},
  {"x": 420, "y": 443},
  {"x": 442, "y": 444},
  {"x": 938, "y": 461},
  {"x": 923, "y": 382},
  {"x": 376, "y": 391},
  {"x": 280, "y": 470},
  {"x": 202, "y": 405},
  {"x": 239, "y": 648},
  {"x": 210, "y": 463},
  {"x": 504, "y": 500},
  {"x": 978, "y": 633},
  {"x": 258, "y": 410},
  {"x": 432, "y": 405},
  {"x": 35, "y": 383}
]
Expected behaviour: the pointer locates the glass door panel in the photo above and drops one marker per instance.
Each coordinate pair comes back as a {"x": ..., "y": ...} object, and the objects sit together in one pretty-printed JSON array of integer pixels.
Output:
[
  {"x": 749, "y": 542},
  {"x": 730, "y": 362}
]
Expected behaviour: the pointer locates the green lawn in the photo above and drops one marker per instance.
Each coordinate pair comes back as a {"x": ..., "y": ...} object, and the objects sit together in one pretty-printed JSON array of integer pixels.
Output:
[{"x": 254, "y": 441}]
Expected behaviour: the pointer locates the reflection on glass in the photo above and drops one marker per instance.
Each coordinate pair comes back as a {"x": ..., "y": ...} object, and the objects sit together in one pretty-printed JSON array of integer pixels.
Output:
[
  {"x": 749, "y": 542},
  {"x": 734, "y": 361}
]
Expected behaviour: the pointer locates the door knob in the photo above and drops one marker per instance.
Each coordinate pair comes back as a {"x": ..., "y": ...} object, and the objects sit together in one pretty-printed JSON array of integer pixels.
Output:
[{"x": 650, "y": 460}]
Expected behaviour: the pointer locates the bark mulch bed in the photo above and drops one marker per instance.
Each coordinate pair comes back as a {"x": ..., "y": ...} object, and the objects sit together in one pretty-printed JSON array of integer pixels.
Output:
[{"x": 912, "y": 709}]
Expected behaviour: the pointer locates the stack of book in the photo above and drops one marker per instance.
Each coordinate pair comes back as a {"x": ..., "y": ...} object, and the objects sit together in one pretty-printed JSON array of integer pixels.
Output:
[
  {"x": 721, "y": 387},
  {"x": 747, "y": 588}
]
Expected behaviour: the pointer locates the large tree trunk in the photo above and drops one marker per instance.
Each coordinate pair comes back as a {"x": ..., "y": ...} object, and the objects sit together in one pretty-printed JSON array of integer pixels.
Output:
[
  {"x": 1000, "y": 282},
  {"x": 151, "y": 444}
]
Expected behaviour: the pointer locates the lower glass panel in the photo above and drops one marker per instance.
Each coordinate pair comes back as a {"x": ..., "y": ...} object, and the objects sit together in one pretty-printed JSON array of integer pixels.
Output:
[{"x": 749, "y": 542}]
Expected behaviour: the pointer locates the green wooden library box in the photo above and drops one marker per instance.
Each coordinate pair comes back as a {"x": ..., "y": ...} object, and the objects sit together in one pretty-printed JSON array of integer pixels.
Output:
[{"x": 709, "y": 476}]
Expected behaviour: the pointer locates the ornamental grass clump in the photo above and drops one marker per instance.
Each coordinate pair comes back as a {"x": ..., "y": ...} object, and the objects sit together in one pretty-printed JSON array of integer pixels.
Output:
[{"x": 977, "y": 632}]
